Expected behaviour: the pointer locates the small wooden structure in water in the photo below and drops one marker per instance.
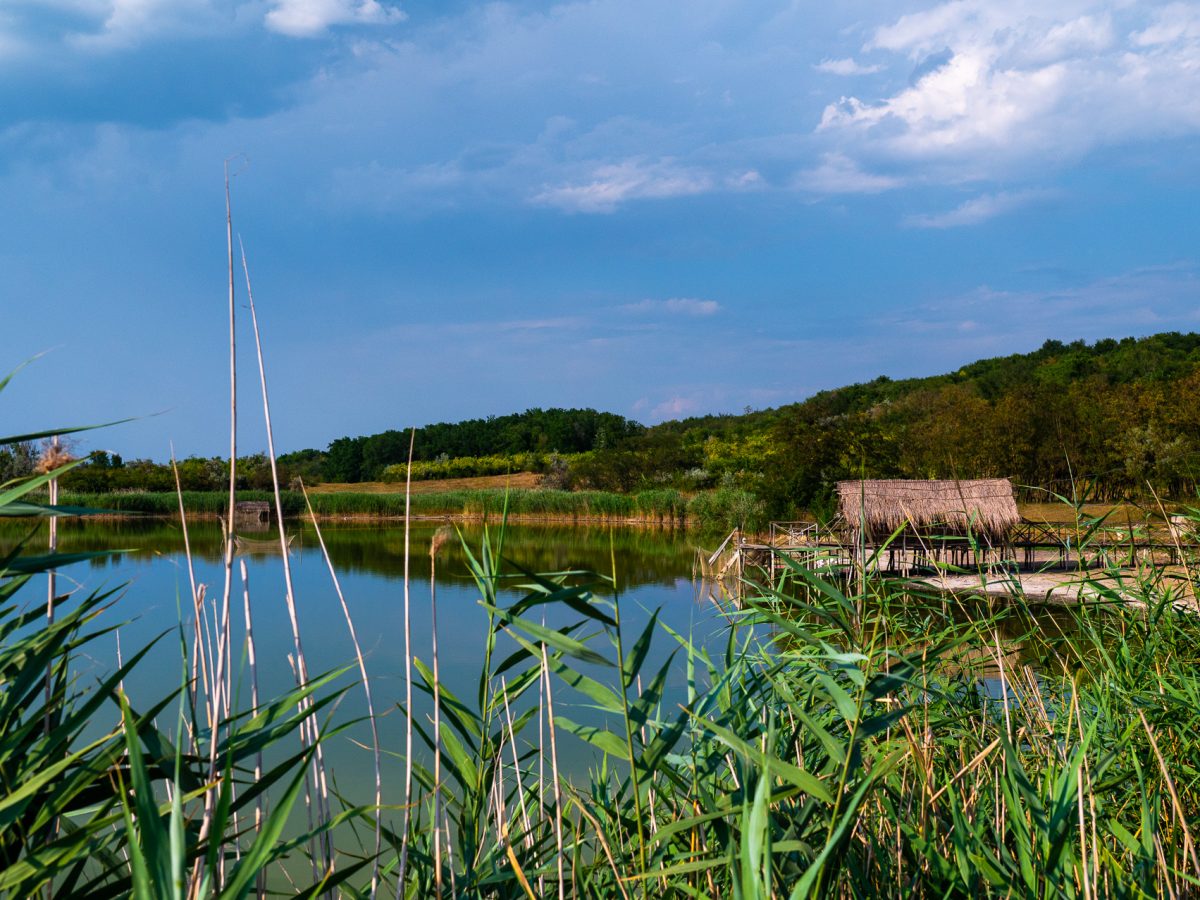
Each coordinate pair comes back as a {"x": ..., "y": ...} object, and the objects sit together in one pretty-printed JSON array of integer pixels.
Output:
[
  {"x": 254, "y": 511},
  {"x": 911, "y": 527},
  {"x": 895, "y": 525}
]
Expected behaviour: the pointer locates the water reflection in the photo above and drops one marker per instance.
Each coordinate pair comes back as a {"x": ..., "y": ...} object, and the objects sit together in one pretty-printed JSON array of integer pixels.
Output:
[
  {"x": 643, "y": 556},
  {"x": 654, "y": 570}
]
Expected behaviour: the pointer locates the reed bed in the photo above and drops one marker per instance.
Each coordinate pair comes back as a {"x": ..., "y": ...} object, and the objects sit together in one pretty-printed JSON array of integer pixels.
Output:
[
  {"x": 711, "y": 509},
  {"x": 883, "y": 743}
]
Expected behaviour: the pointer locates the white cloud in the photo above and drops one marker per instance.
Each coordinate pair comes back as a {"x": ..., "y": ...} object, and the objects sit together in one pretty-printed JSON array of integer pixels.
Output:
[
  {"x": 977, "y": 209},
  {"x": 684, "y": 306},
  {"x": 745, "y": 181},
  {"x": 309, "y": 18},
  {"x": 121, "y": 24},
  {"x": 609, "y": 186},
  {"x": 838, "y": 174},
  {"x": 846, "y": 66},
  {"x": 1175, "y": 23},
  {"x": 1025, "y": 83},
  {"x": 965, "y": 105}
]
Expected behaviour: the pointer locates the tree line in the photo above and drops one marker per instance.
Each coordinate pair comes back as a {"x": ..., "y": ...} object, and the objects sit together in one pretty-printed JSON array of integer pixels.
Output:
[
  {"x": 1113, "y": 419},
  {"x": 364, "y": 458}
]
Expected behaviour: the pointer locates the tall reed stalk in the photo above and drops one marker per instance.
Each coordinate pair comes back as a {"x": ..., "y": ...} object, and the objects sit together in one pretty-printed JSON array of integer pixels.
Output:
[
  {"x": 314, "y": 734},
  {"x": 439, "y": 538},
  {"x": 408, "y": 709},
  {"x": 366, "y": 681}
]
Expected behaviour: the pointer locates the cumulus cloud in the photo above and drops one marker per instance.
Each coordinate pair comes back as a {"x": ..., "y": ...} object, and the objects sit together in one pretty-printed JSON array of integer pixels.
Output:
[
  {"x": 1023, "y": 82},
  {"x": 112, "y": 25},
  {"x": 977, "y": 209},
  {"x": 839, "y": 174},
  {"x": 1175, "y": 23},
  {"x": 309, "y": 18},
  {"x": 609, "y": 186},
  {"x": 680, "y": 306}
]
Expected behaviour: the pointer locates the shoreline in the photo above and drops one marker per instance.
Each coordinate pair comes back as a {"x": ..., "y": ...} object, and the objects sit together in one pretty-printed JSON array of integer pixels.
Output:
[{"x": 662, "y": 522}]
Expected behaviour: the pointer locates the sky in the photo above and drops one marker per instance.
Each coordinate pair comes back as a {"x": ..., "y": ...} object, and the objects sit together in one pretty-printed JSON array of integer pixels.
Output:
[{"x": 461, "y": 209}]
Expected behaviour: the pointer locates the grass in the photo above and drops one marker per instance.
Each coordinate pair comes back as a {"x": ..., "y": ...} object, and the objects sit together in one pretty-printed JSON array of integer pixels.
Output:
[{"x": 102, "y": 799}]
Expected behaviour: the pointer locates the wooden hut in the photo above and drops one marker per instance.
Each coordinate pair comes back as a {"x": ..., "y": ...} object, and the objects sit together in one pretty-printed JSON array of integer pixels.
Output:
[
  {"x": 253, "y": 511},
  {"x": 934, "y": 518}
]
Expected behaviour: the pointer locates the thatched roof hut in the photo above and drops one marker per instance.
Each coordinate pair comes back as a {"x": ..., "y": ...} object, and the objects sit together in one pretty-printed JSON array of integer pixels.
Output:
[{"x": 985, "y": 507}]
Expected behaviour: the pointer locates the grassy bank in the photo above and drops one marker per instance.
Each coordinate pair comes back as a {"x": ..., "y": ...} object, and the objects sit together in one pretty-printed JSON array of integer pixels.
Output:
[{"x": 716, "y": 509}]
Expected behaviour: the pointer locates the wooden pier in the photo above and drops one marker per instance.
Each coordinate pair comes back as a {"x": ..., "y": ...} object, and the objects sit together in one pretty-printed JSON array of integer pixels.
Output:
[{"x": 1029, "y": 546}]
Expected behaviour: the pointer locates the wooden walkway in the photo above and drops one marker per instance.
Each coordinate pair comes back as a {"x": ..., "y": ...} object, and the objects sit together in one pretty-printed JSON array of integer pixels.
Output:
[{"x": 1030, "y": 546}]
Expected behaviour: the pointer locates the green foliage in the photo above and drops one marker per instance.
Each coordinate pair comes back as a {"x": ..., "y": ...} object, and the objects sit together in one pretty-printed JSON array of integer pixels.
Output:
[
  {"x": 474, "y": 466},
  {"x": 109, "y": 473},
  {"x": 723, "y": 508},
  {"x": 1112, "y": 420},
  {"x": 17, "y": 460},
  {"x": 535, "y": 431}
]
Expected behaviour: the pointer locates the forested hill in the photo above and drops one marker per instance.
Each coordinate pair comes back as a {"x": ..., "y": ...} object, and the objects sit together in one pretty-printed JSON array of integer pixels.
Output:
[
  {"x": 1114, "y": 414},
  {"x": 1116, "y": 418}
]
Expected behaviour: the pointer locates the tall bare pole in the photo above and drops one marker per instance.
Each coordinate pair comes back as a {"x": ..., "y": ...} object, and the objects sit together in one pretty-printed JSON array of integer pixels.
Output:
[
  {"x": 52, "y": 459},
  {"x": 229, "y": 545},
  {"x": 439, "y": 538}
]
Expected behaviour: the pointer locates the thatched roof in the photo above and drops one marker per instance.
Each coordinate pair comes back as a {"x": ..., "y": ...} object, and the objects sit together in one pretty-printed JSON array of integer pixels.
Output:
[{"x": 985, "y": 506}]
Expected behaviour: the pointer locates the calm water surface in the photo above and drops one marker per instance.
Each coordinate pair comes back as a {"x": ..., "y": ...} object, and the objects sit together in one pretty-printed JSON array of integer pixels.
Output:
[{"x": 654, "y": 570}]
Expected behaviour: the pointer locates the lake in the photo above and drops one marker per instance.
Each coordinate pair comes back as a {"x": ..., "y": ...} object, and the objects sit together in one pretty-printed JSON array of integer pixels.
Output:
[{"x": 654, "y": 570}]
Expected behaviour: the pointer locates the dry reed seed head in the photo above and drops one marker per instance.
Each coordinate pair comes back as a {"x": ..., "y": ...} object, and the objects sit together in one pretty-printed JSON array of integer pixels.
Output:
[
  {"x": 53, "y": 456},
  {"x": 440, "y": 537}
]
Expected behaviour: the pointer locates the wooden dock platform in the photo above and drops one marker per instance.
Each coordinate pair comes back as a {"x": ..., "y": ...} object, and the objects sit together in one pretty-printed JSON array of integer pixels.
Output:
[{"x": 1030, "y": 547}]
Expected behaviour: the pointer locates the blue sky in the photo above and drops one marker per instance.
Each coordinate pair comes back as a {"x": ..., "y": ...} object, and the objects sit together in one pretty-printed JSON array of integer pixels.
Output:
[{"x": 659, "y": 209}]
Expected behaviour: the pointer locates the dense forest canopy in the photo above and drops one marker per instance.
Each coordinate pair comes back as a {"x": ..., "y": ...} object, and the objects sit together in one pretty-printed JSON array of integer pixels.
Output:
[
  {"x": 1116, "y": 418},
  {"x": 351, "y": 459}
]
